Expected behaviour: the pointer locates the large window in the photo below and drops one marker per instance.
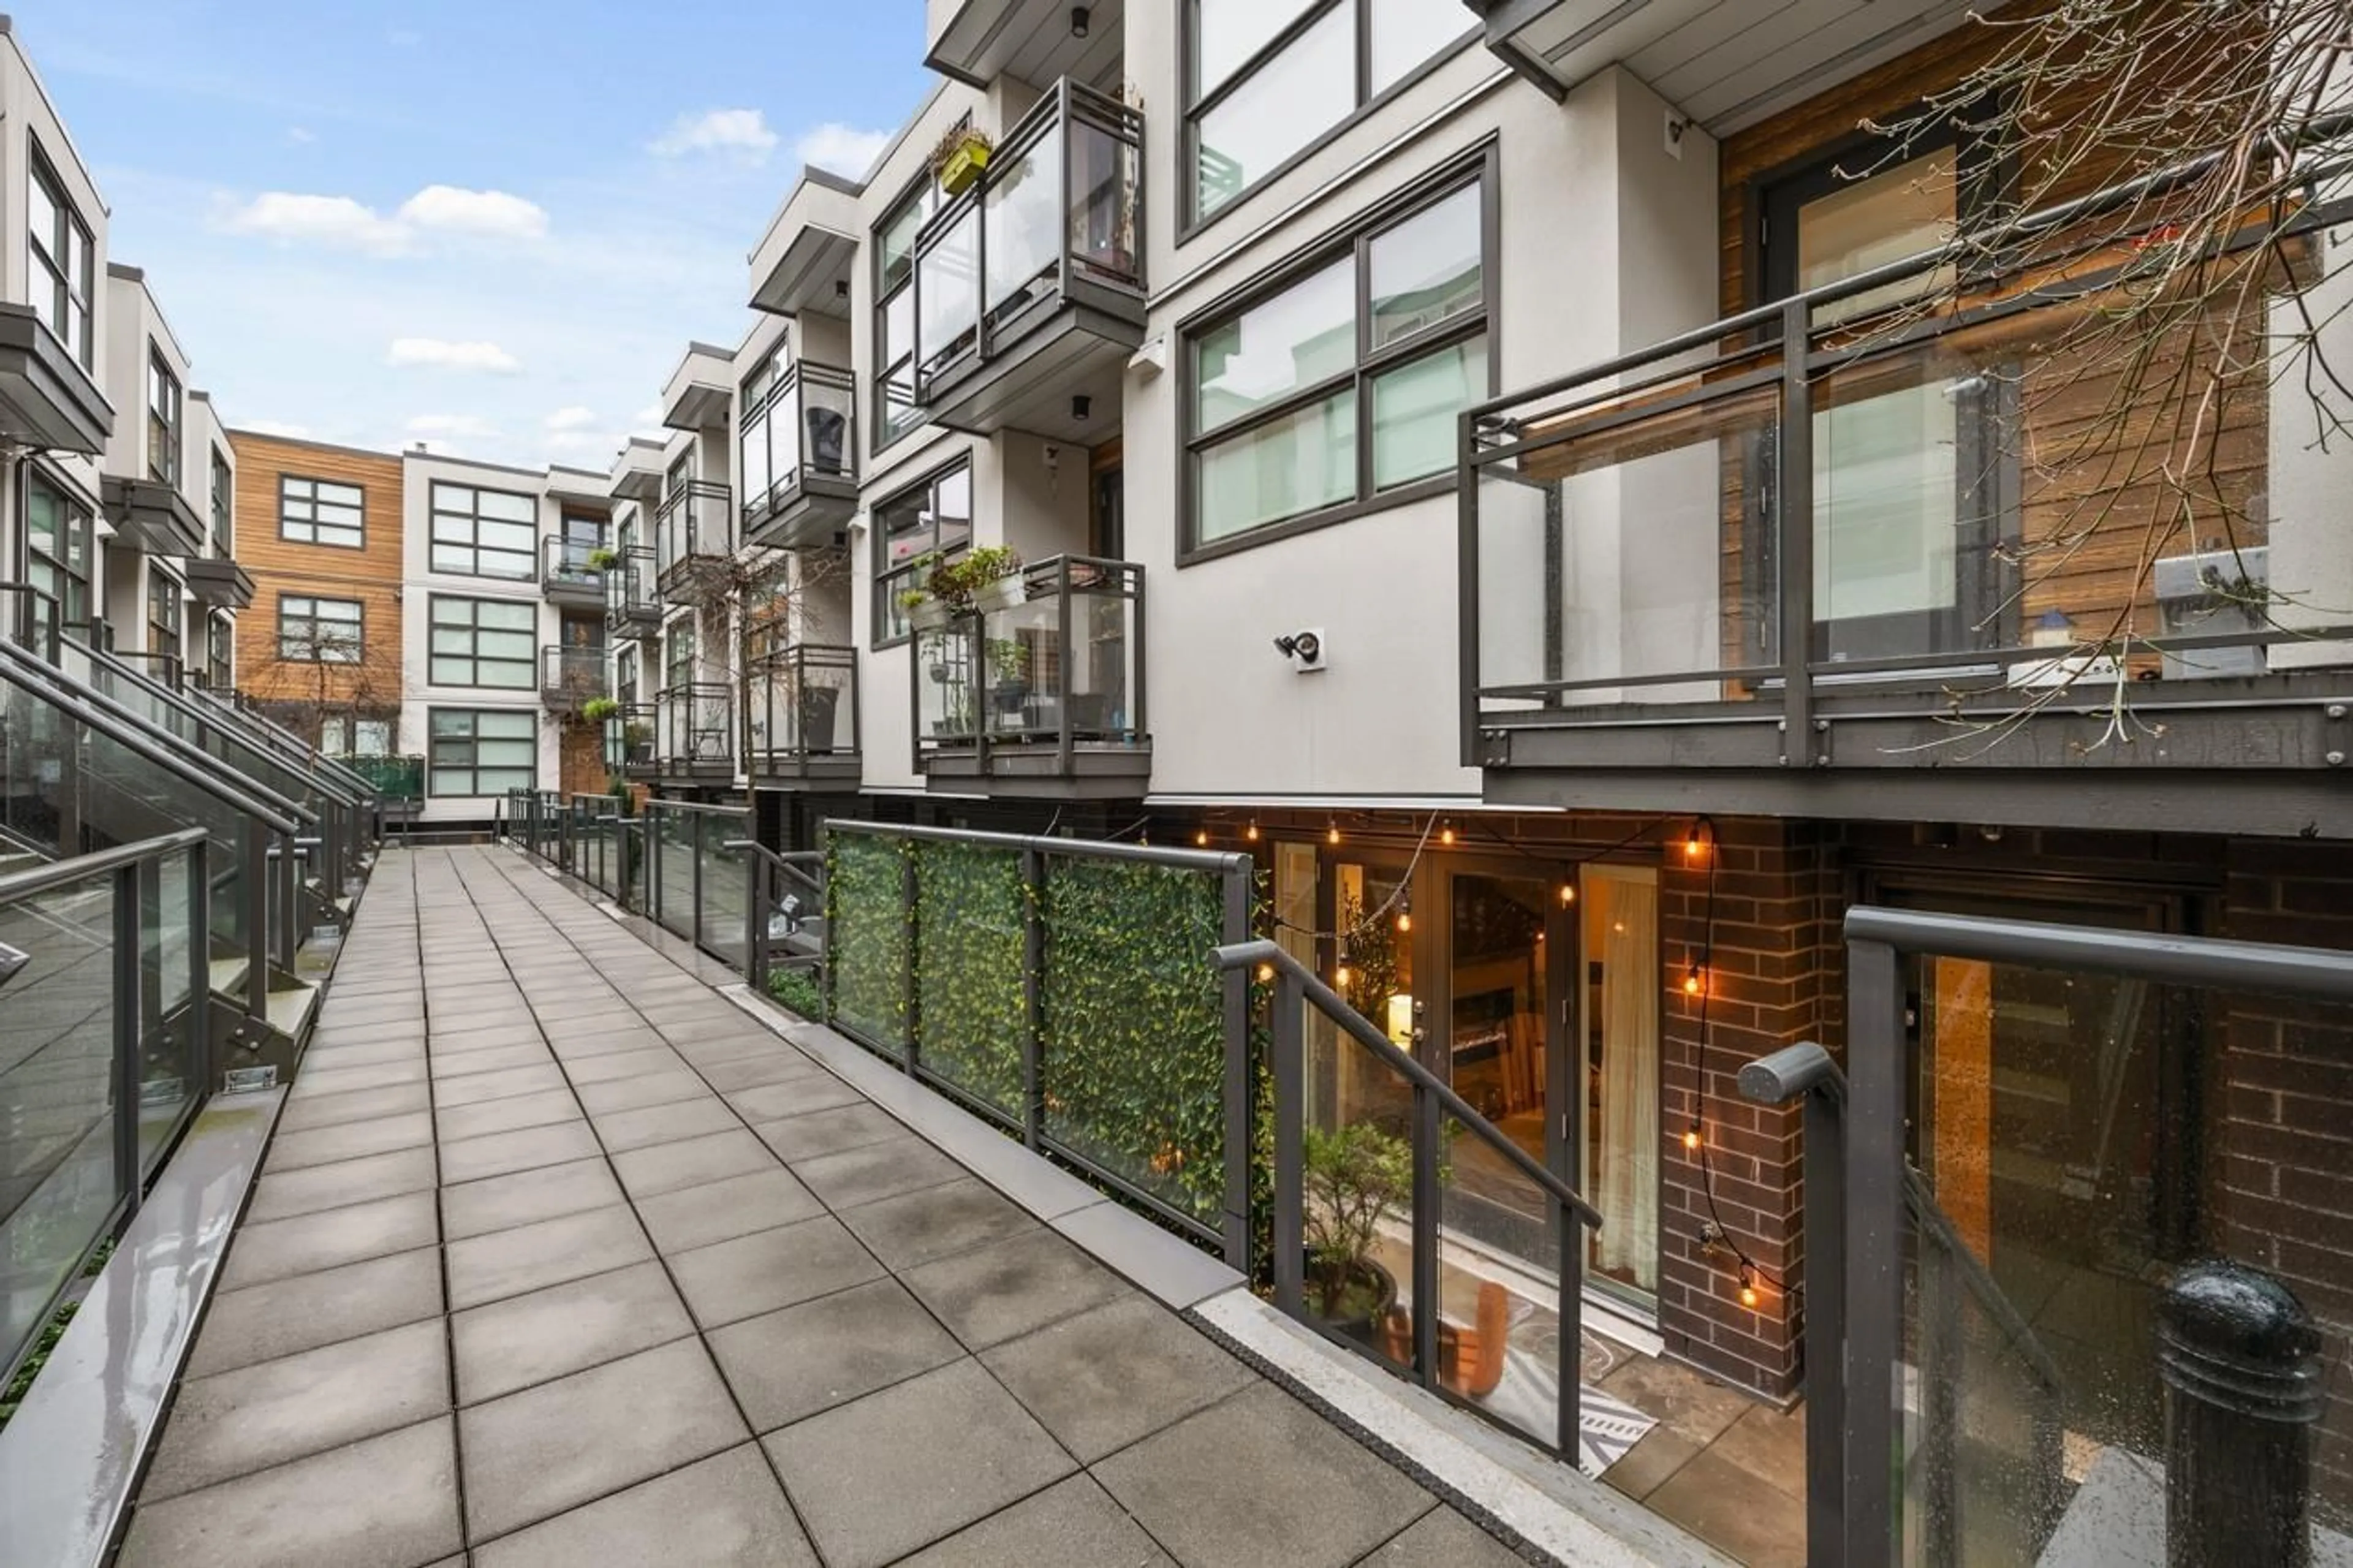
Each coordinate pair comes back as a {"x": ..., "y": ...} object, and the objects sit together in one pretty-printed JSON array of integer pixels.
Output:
[
  {"x": 1271, "y": 77},
  {"x": 59, "y": 534},
  {"x": 933, "y": 519},
  {"x": 341, "y": 735},
  {"x": 220, "y": 651},
  {"x": 472, "y": 752},
  {"x": 65, "y": 266},
  {"x": 484, "y": 642},
  {"x": 1338, "y": 385},
  {"x": 223, "y": 499},
  {"x": 483, "y": 534},
  {"x": 679, "y": 668},
  {"x": 317, "y": 511},
  {"x": 164, "y": 614},
  {"x": 313, "y": 630},
  {"x": 895, "y": 412},
  {"x": 163, "y": 420}
]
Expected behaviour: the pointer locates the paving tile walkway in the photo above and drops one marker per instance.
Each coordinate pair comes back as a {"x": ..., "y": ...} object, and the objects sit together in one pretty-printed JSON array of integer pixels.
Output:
[{"x": 558, "y": 1258}]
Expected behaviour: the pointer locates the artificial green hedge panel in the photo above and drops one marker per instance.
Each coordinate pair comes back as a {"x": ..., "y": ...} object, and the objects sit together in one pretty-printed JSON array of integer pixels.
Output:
[
  {"x": 971, "y": 1019},
  {"x": 866, "y": 927},
  {"x": 1133, "y": 1058}
]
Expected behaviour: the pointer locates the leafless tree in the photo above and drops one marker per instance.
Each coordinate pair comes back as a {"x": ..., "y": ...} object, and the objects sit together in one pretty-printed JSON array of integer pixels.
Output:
[{"x": 323, "y": 678}]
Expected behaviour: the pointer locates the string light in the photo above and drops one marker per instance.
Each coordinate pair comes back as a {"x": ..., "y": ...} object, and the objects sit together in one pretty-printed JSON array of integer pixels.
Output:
[
  {"x": 1405, "y": 920},
  {"x": 1201, "y": 838},
  {"x": 1331, "y": 834},
  {"x": 1446, "y": 836},
  {"x": 1340, "y": 977},
  {"x": 1691, "y": 1139},
  {"x": 1568, "y": 894},
  {"x": 1250, "y": 833},
  {"x": 1747, "y": 1285},
  {"x": 1265, "y": 973},
  {"x": 1692, "y": 981},
  {"x": 1691, "y": 846}
]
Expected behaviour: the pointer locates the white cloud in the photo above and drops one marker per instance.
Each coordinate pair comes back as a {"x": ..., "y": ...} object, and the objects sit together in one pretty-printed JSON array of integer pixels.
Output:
[
  {"x": 648, "y": 421},
  {"x": 573, "y": 418},
  {"x": 275, "y": 427},
  {"x": 741, "y": 131},
  {"x": 449, "y": 425},
  {"x": 439, "y": 353},
  {"x": 841, "y": 149},
  {"x": 300, "y": 135},
  {"x": 451, "y": 210},
  {"x": 336, "y": 221}
]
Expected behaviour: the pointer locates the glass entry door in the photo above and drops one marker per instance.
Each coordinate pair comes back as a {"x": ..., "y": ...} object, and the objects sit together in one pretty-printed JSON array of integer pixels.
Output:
[
  {"x": 1503, "y": 1051},
  {"x": 1617, "y": 1032}
]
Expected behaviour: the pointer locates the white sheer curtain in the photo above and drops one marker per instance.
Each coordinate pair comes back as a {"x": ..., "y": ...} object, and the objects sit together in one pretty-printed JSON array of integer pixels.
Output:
[{"x": 1630, "y": 1081}]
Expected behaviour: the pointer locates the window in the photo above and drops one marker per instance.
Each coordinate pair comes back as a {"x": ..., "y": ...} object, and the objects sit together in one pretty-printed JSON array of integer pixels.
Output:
[
  {"x": 223, "y": 497},
  {"x": 59, "y": 534},
  {"x": 753, "y": 468},
  {"x": 220, "y": 651},
  {"x": 163, "y": 420},
  {"x": 64, "y": 263},
  {"x": 345, "y": 737},
  {"x": 679, "y": 668},
  {"x": 1341, "y": 384},
  {"x": 1271, "y": 77},
  {"x": 478, "y": 753},
  {"x": 316, "y": 511},
  {"x": 484, "y": 642},
  {"x": 934, "y": 518},
  {"x": 582, "y": 536},
  {"x": 319, "y": 631},
  {"x": 163, "y": 621},
  {"x": 483, "y": 534},
  {"x": 895, "y": 313}
]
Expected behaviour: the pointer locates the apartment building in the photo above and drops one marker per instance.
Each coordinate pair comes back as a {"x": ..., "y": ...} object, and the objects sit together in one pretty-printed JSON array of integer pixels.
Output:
[
  {"x": 1398, "y": 412},
  {"x": 440, "y": 618}
]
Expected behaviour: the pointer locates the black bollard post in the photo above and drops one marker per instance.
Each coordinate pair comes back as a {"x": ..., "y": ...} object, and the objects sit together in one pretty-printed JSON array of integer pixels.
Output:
[{"x": 2241, "y": 1359}]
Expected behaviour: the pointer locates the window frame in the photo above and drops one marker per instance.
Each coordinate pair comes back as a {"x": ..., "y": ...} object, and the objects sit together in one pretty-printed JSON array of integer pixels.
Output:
[
  {"x": 925, "y": 188},
  {"x": 434, "y": 511},
  {"x": 76, "y": 536},
  {"x": 475, "y": 657},
  {"x": 1192, "y": 220},
  {"x": 220, "y": 651},
  {"x": 59, "y": 269},
  {"x": 164, "y": 387},
  {"x": 314, "y": 621},
  {"x": 474, "y": 769},
  {"x": 224, "y": 505},
  {"x": 166, "y": 615},
  {"x": 1477, "y": 170},
  {"x": 285, "y": 484},
  {"x": 886, "y": 577}
]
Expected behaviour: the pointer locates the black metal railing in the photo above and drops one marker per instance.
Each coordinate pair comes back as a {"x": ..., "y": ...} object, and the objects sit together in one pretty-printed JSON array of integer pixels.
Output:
[
  {"x": 1869, "y": 503},
  {"x": 804, "y": 702},
  {"x": 784, "y": 914},
  {"x": 570, "y": 564},
  {"x": 1057, "y": 216},
  {"x": 1051, "y": 659},
  {"x": 694, "y": 531},
  {"x": 570, "y": 676},
  {"x": 698, "y": 728},
  {"x": 633, "y": 606},
  {"x": 804, "y": 432},
  {"x": 632, "y": 736}
]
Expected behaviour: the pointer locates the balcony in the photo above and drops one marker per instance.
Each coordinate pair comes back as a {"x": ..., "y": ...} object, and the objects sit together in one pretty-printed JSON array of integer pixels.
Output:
[
  {"x": 804, "y": 717},
  {"x": 701, "y": 390},
  {"x": 569, "y": 677},
  {"x": 46, "y": 399},
  {"x": 977, "y": 41},
  {"x": 153, "y": 516},
  {"x": 630, "y": 739},
  {"x": 566, "y": 578},
  {"x": 695, "y": 541},
  {"x": 804, "y": 261},
  {"x": 800, "y": 459},
  {"x": 632, "y": 606},
  {"x": 218, "y": 583},
  {"x": 698, "y": 730},
  {"x": 1044, "y": 698},
  {"x": 638, "y": 474},
  {"x": 1030, "y": 287},
  {"x": 1723, "y": 72},
  {"x": 1903, "y": 548}
]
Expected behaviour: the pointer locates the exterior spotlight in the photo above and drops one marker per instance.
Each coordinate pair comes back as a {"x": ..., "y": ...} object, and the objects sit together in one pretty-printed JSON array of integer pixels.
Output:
[
  {"x": 1078, "y": 24},
  {"x": 1081, "y": 406}
]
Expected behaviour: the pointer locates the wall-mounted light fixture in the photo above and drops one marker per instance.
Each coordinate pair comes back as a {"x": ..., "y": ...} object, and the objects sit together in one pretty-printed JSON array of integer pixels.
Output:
[
  {"x": 1078, "y": 21},
  {"x": 1081, "y": 406}
]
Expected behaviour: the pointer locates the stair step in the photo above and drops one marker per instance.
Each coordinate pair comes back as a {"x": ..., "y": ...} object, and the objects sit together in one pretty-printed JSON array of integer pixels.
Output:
[
  {"x": 289, "y": 1009},
  {"x": 228, "y": 976}
]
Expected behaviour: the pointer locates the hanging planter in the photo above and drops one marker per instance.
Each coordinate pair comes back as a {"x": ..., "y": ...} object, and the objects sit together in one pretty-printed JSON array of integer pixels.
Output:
[
  {"x": 961, "y": 158},
  {"x": 597, "y": 710},
  {"x": 924, "y": 613}
]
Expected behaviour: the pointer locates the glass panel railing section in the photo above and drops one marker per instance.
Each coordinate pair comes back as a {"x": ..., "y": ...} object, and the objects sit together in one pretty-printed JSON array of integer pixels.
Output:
[
  {"x": 177, "y": 979},
  {"x": 971, "y": 990},
  {"x": 947, "y": 294},
  {"x": 699, "y": 727},
  {"x": 694, "y": 529},
  {"x": 567, "y": 562},
  {"x": 1067, "y": 656},
  {"x": 823, "y": 441},
  {"x": 722, "y": 890},
  {"x": 1498, "y": 1340},
  {"x": 869, "y": 940},
  {"x": 570, "y": 676},
  {"x": 1358, "y": 1215},
  {"x": 805, "y": 703},
  {"x": 1106, "y": 190},
  {"x": 629, "y": 588},
  {"x": 1021, "y": 212},
  {"x": 1611, "y": 566},
  {"x": 670, "y": 878},
  {"x": 948, "y": 682}
]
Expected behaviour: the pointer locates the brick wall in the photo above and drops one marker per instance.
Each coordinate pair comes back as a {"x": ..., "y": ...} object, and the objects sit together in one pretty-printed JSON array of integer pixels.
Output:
[
  {"x": 580, "y": 754},
  {"x": 2281, "y": 1173}
]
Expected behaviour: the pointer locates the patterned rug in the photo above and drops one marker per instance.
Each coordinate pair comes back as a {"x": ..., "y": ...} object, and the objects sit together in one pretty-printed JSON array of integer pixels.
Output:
[{"x": 1528, "y": 1397}]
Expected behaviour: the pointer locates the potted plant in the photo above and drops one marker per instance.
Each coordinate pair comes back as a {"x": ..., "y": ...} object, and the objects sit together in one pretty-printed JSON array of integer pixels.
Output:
[
  {"x": 1353, "y": 1175},
  {"x": 602, "y": 559},
  {"x": 597, "y": 710},
  {"x": 978, "y": 581},
  {"x": 961, "y": 156},
  {"x": 637, "y": 742},
  {"x": 1009, "y": 663}
]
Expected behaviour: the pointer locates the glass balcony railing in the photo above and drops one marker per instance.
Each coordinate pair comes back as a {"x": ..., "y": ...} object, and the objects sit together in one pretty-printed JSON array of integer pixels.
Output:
[
  {"x": 698, "y": 729},
  {"x": 1056, "y": 219},
  {"x": 1912, "y": 510},
  {"x": 632, "y": 605},
  {"x": 804, "y": 717},
  {"x": 569, "y": 677},
  {"x": 695, "y": 534},
  {"x": 800, "y": 457},
  {"x": 567, "y": 568},
  {"x": 1037, "y": 683}
]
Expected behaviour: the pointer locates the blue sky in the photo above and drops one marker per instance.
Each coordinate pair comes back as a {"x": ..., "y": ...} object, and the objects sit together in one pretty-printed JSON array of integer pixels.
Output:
[{"x": 492, "y": 225}]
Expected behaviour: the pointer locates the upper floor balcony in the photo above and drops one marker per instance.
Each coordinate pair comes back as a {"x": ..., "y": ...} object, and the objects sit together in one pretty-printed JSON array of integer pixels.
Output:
[
  {"x": 1720, "y": 68},
  {"x": 1911, "y": 543},
  {"x": 49, "y": 398},
  {"x": 1030, "y": 287},
  {"x": 804, "y": 717},
  {"x": 571, "y": 676},
  {"x": 154, "y": 516},
  {"x": 218, "y": 583},
  {"x": 799, "y": 457},
  {"x": 633, "y": 607},
  {"x": 694, "y": 538},
  {"x": 571, "y": 571},
  {"x": 977, "y": 41},
  {"x": 697, "y": 735},
  {"x": 803, "y": 263},
  {"x": 1043, "y": 696},
  {"x": 631, "y": 738},
  {"x": 701, "y": 390}
]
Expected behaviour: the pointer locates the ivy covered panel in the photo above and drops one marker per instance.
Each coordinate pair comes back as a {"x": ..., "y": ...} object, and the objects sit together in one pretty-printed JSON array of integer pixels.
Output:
[
  {"x": 1132, "y": 1053},
  {"x": 867, "y": 930},
  {"x": 971, "y": 913}
]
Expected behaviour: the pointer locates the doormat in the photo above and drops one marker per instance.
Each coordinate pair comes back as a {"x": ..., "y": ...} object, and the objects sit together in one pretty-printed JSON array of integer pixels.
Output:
[{"x": 1528, "y": 1397}]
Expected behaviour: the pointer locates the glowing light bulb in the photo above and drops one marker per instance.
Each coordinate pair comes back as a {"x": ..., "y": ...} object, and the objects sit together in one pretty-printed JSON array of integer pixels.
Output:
[
  {"x": 1331, "y": 834},
  {"x": 1691, "y": 1139},
  {"x": 1265, "y": 973},
  {"x": 1692, "y": 983},
  {"x": 1201, "y": 838},
  {"x": 1340, "y": 977},
  {"x": 1405, "y": 920},
  {"x": 1446, "y": 836},
  {"x": 1250, "y": 833},
  {"x": 1567, "y": 893},
  {"x": 1748, "y": 1295},
  {"x": 1691, "y": 846}
]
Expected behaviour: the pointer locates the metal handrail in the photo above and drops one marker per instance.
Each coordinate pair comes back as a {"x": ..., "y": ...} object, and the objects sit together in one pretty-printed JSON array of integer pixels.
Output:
[
  {"x": 1251, "y": 955},
  {"x": 2313, "y": 973},
  {"x": 40, "y": 878}
]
